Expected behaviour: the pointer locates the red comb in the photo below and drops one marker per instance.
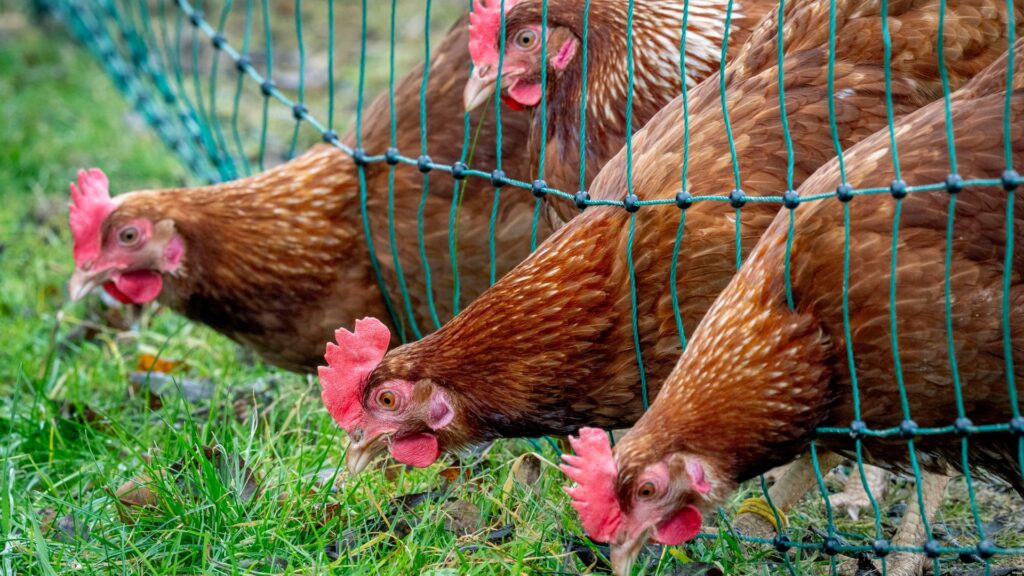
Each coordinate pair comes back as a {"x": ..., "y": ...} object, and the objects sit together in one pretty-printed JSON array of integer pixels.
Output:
[
  {"x": 90, "y": 206},
  {"x": 594, "y": 471},
  {"x": 348, "y": 364},
  {"x": 485, "y": 30}
]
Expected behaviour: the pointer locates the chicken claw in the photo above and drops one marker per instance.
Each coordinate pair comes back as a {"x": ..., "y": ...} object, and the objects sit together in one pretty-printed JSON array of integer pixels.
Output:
[{"x": 854, "y": 499}]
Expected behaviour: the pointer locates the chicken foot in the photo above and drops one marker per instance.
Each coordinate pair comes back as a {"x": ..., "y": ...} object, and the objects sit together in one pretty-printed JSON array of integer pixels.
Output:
[
  {"x": 911, "y": 531},
  {"x": 854, "y": 499},
  {"x": 797, "y": 479}
]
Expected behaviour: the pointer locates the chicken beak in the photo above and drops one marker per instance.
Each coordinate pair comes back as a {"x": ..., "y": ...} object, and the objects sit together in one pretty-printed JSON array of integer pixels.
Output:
[
  {"x": 85, "y": 281},
  {"x": 361, "y": 453},
  {"x": 624, "y": 552},
  {"x": 479, "y": 87}
]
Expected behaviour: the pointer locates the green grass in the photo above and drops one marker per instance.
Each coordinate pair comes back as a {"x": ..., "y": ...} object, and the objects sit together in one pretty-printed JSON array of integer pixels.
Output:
[{"x": 73, "y": 430}]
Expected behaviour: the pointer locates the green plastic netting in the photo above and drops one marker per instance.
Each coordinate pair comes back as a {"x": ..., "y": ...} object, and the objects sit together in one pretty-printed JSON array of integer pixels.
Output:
[{"x": 207, "y": 78}]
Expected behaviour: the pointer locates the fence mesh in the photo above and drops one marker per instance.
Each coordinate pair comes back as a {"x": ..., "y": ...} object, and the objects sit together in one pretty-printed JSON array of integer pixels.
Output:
[{"x": 207, "y": 78}]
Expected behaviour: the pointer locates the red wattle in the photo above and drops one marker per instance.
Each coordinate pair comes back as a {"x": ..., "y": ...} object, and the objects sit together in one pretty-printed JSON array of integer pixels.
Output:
[
  {"x": 138, "y": 287},
  {"x": 683, "y": 526},
  {"x": 419, "y": 450}
]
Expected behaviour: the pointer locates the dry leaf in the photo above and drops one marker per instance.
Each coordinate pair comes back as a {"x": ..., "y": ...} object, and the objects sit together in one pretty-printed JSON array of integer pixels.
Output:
[
  {"x": 71, "y": 529},
  {"x": 450, "y": 474},
  {"x": 136, "y": 492},
  {"x": 46, "y": 517},
  {"x": 153, "y": 363},
  {"x": 462, "y": 518},
  {"x": 526, "y": 470}
]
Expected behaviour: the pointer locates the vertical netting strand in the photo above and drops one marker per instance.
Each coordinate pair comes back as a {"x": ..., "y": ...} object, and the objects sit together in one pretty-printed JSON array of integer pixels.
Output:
[
  {"x": 428, "y": 288},
  {"x": 393, "y": 139},
  {"x": 539, "y": 182},
  {"x": 498, "y": 175},
  {"x": 684, "y": 194}
]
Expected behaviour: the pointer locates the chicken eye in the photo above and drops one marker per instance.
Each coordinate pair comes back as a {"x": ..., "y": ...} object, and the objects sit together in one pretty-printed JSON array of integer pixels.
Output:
[
  {"x": 525, "y": 39},
  {"x": 646, "y": 490},
  {"x": 128, "y": 235},
  {"x": 387, "y": 400}
]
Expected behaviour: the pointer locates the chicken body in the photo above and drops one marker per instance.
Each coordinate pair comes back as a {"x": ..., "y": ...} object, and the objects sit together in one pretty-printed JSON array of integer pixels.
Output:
[
  {"x": 549, "y": 348},
  {"x": 657, "y": 35},
  {"x": 277, "y": 261},
  {"x": 759, "y": 376}
]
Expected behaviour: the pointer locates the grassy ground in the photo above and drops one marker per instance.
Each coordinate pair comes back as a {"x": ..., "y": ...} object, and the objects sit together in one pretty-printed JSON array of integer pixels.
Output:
[{"x": 223, "y": 465}]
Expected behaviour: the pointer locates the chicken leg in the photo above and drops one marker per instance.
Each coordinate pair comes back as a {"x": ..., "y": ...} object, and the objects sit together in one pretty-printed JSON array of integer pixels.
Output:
[
  {"x": 797, "y": 479},
  {"x": 911, "y": 531}
]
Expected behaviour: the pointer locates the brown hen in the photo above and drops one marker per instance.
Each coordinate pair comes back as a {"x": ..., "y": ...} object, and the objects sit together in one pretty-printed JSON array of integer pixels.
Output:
[
  {"x": 759, "y": 375},
  {"x": 277, "y": 261}
]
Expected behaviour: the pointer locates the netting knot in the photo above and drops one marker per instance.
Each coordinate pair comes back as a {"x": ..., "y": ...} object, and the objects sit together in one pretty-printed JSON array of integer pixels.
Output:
[
  {"x": 195, "y": 17},
  {"x": 631, "y": 203},
  {"x": 986, "y": 549},
  {"x": 1010, "y": 180},
  {"x": 267, "y": 87},
  {"x": 844, "y": 192},
  {"x": 931, "y": 549},
  {"x": 218, "y": 40},
  {"x": 498, "y": 178},
  {"x": 898, "y": 189},
  {"x": 459, "y": 170},
  {"x": 830, "y": 546},
  {"x": 423, "y": 163},
  {"x": 581, "y": 198},
  {"x": 954, "y": 183},
  {"x": 299, "y": 111},
  {"x": 243, "y": 63},
  {"x": 857, "y": 429},
  {"x": 790, "y": 199},
  {"x": 781, "y": 543},
  {"x": 737, "y": 198},
  {"x": 537, "y": 187},
  {"x": 1017, "y": 425},
  {"x": 963, "y": 426},
  {"x": 880, "y": 547},
  {"x": 359, "y": 156},
  {"x": 391, "y": 156},
  {"x": 908, "y": 429},
  {"x": 330, "y": 136},
  {"x": 684, "y": 200}
]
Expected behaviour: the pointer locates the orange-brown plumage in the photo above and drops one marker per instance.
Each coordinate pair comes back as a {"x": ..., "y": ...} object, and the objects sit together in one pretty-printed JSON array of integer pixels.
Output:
[
  {"x": 279, "y": 260},
  {"x": 549, "y": 348},
  {"x": 656, "y": 31},
  {"x": 758, "y": 376}
]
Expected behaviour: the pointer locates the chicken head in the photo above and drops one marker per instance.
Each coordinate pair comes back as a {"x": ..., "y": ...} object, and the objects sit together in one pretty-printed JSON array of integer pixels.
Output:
[
  {"x": 660, "y": 501},
  {"x": 521, "y": 65},
  {"x": 396, "y": 415},
  {"x": 124, "y": 255}
]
